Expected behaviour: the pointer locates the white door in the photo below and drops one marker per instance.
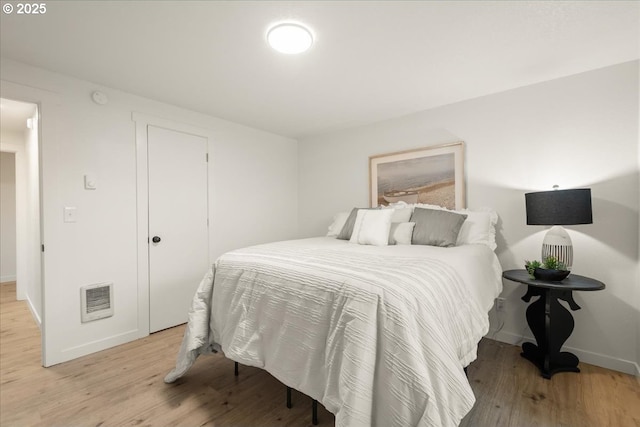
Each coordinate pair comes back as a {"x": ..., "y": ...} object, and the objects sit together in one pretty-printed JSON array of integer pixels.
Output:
[{"x": 178, "y": 231}]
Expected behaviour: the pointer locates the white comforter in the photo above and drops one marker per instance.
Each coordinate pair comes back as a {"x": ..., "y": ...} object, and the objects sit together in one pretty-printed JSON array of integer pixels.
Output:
[{"x": 378, "y": 335}]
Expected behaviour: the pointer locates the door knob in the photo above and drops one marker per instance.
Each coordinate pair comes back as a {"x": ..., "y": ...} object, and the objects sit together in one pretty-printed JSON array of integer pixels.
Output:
[{"x": 156, "y": 239}]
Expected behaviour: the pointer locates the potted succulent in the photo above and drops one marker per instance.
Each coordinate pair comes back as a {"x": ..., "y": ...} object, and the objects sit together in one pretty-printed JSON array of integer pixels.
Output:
[{"x": 550, "y": 269}]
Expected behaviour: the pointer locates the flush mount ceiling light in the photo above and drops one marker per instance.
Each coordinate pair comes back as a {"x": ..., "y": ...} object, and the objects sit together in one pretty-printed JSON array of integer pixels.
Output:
[{"x": 289, "y": 38}]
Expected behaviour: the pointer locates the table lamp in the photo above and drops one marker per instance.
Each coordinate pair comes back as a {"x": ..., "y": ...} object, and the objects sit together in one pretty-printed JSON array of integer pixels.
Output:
[{"x": 558, "y": 208}]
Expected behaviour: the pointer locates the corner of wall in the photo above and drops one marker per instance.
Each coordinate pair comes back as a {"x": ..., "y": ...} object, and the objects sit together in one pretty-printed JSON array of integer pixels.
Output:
[{"x": 638, "y": 212}]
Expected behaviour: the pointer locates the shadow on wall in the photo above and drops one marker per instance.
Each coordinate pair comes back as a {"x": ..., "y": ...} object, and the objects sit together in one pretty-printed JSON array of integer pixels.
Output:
[
  {"x": 614, "y": 224},
  {"x": 509, "y": 204}
]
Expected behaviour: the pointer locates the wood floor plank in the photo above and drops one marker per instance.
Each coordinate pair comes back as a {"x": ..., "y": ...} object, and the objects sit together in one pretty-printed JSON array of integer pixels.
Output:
[{"x": 123, "y": 386}]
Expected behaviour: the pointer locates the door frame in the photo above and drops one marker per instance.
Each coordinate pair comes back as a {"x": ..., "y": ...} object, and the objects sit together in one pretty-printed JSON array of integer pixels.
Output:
[
  {"x": 142, "y": 121},
  {"x": 49, "y": 108}
]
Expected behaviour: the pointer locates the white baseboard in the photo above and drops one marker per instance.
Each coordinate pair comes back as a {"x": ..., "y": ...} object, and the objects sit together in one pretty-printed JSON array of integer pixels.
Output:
[
  {"x": 53, "y": 358},
  {"x": 34, "y": 313},
  {"x": 4, "y": 279},
  {"x": 602, "y": 360}
]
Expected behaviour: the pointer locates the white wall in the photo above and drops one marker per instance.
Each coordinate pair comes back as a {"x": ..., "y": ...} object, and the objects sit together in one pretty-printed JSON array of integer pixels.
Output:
[
  {"x": 253, "y": 198},
  {"x": 579, "y": 131},
  {"x": 13, "y": 142},
  {"x": 7, "y": 217}
]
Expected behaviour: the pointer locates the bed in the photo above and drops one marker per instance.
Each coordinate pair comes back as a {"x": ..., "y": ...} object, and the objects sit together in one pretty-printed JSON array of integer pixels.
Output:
[{"x": 380, "y": 335}]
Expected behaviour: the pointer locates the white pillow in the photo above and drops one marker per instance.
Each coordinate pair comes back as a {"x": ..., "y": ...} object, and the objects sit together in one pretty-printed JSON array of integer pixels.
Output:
[
  {"x": 338, "y": 222},
  {"x": 402, "y": 211},
  {"x": 400, "y": 204},
  {"x": 372, "y": 227},
  {"x": 478, "y": 228},
  {"x": 400, "y": 233},
  {"x": 401, "y": 215}
]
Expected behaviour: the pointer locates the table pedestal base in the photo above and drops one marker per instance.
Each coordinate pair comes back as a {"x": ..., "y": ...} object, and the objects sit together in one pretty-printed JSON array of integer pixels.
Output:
[
  {"x": 560, "y": 362},
  {"x": 551, "y": 324}
]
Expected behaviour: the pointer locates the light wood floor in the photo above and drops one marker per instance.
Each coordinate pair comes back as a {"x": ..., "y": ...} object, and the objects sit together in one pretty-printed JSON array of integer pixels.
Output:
[{"x": 123, "y": 386}]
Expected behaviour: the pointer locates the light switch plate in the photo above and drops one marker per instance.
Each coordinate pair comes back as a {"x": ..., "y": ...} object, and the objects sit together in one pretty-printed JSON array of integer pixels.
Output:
[
  {"x": 90, "y": 182},
  {"x": 70, "y": 214}
]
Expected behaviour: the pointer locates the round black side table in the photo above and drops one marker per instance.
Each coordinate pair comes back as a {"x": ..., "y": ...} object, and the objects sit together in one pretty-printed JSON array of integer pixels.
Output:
[{"x": 550, "y": 322}]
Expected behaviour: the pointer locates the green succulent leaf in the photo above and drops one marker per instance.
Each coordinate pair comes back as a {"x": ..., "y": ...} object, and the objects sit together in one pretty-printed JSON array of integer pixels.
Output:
[{"x": 531, "y": 266}]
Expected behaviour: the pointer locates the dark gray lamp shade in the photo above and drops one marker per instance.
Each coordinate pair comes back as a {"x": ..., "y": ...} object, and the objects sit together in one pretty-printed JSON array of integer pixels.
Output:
[{"x": 559, "y": 207}]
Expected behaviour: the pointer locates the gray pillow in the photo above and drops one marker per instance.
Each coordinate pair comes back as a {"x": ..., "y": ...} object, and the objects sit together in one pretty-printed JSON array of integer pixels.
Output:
[
  {"x": 436, "y": 227},
  {"x": 347, "y": 228}
]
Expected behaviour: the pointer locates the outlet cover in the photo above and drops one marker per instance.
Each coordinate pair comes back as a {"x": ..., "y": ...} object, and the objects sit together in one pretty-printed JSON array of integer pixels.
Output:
[{"x": 70, "y": 214}]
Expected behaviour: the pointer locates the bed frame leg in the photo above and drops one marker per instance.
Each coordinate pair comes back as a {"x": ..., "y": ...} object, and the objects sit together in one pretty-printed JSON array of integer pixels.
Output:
[
  {"x": 235, "y": 369},
  {"x": 314, "y": 407}
]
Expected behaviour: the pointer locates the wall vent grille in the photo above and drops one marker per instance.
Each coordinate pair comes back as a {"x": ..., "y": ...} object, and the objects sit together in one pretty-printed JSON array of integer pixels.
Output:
[{"x": 96, "y": 301}]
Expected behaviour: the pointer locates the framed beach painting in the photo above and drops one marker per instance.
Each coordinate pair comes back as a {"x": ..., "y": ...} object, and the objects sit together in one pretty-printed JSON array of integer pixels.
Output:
[{"x": 431, "y": 175}]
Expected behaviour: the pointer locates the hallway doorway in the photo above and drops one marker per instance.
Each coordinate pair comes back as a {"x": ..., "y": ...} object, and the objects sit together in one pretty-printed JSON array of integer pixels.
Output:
[{"x": 20, "y": 237}]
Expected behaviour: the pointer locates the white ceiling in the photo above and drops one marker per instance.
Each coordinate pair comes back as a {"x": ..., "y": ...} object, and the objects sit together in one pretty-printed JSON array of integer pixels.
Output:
[{"x": 371, "y": 60}]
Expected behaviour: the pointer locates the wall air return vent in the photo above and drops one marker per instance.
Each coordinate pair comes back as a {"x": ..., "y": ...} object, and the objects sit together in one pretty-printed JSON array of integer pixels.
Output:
[{"x": 96, "y": 301}]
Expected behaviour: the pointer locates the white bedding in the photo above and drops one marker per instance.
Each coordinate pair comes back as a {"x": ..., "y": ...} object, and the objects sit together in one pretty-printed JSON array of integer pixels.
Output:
[{"x": 378, "y": 335}]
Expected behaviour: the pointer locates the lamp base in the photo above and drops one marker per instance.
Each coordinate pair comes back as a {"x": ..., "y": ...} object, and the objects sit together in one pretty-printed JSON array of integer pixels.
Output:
[{"x": 557, "y": 243}]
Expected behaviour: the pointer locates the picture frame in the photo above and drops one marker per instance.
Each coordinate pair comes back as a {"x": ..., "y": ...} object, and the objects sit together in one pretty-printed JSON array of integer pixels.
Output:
[{"x": 431, "y": 175}]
